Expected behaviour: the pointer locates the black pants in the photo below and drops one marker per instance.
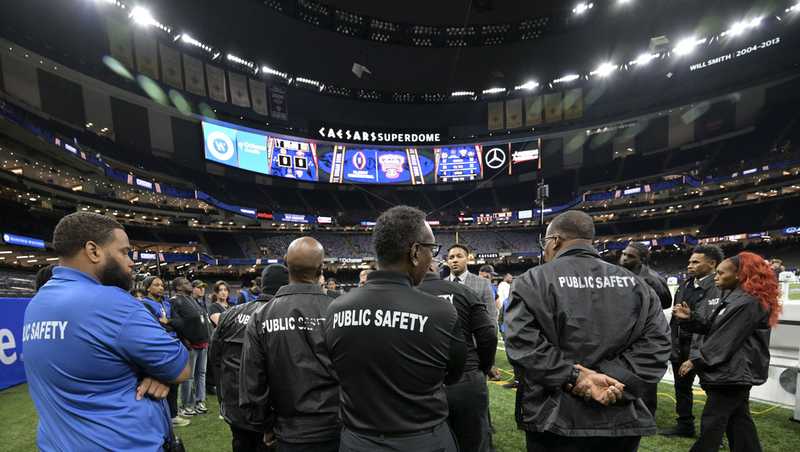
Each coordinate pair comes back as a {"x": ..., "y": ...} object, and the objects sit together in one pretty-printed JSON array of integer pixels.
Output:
[
  {"x": 469, "y": 407},
  {"x": 172, "y": 400},
  {"x": 327, "y": 446},
  {"x": 549, "y": 442},
  {"x": 683, "y": 396},
  {"x": 727, "y": 410},
  {"x": 248, "y": 441},
  {"x": 650, "y": 398},
  {"x": 438, "y": 439}
]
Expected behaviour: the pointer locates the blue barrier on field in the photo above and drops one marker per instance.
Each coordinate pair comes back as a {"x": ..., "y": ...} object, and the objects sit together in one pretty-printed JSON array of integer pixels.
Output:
[{"x": 12, "y": 314}]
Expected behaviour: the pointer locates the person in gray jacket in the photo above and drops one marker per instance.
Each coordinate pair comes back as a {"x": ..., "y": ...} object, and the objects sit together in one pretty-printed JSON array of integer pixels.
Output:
[
  {"x": 457, "y": 258},
  {"x": 588, "y": 338}
]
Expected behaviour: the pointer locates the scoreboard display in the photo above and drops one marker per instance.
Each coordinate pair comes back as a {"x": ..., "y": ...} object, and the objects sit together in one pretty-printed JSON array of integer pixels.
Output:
[
  {"x": 253, "y": 150},
  {"x": 458, "y": 163},
  {"x": 292, "y": 159},
  {"x": 363, "y": 165},
  {"x": 496, "y": 217},
  {"x": 306, "y": 160}
]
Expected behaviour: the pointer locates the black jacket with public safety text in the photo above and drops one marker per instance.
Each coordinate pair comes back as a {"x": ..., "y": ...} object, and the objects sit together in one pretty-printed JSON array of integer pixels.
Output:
[
  {"x": 224, "y": 360},
  {"x": 579, "y": 309},
  {"x": 734, "y": 345},
  {"x": 701, "y": 298},
  {"x": 393, "y": 346},
  {"x": 285, "y": 365},
  {"x": 480, "y": 332}
]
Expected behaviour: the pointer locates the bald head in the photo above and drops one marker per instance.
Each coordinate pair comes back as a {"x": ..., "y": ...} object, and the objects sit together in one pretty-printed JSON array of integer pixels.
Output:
[{"x": 304, "y": 258}]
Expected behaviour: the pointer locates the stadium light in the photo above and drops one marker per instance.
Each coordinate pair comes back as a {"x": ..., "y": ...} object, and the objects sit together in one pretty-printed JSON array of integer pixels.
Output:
[
  {"x": 116, "y": 3},
  {"x": 530, "y": 85},
  {"x": 308, "y": 81},
  {"x": 581, "y": 8},
  {"x": 643, "y": 59},
  {"x": 462, "y": 94},
  {"x": 143, "y": 17},
  {"x": 186, "y": 38},
  {"x": 269, "y": 70},
  {"x": 493, "y": 91},
  {"x": 686, "y": 46},
  {"x": 567, "y": 78},
  {"x": 794, "y": 8},
  {"x": 604, "y": 70},
  {"x": 235, "y": 59},
  {"x": 742, "y": 26}
]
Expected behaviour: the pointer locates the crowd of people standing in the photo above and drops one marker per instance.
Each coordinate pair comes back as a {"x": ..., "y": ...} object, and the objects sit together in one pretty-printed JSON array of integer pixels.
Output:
[{"x": 402, "y": 361}]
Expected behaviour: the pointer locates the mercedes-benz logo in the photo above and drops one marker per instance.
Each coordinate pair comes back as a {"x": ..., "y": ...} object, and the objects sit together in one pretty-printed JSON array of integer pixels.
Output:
[{"x": 495, "y": 158}]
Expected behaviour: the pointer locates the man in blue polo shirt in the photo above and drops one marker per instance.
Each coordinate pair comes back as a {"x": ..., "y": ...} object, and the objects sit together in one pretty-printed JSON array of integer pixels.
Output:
[{"x": 96, "y": 360}]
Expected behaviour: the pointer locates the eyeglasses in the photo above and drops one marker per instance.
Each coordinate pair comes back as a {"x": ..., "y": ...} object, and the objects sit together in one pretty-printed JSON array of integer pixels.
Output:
[
  {"x": 543, "y": 239},
  {"x": 435, "y": 247}
]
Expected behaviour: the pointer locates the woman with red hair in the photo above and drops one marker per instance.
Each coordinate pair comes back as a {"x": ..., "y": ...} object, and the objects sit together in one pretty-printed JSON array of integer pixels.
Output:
[{"x": 733, "y": 353}]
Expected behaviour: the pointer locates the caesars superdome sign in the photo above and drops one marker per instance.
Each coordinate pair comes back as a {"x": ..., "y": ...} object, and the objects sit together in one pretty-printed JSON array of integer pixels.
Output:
[{"x": 368, "y": 135}]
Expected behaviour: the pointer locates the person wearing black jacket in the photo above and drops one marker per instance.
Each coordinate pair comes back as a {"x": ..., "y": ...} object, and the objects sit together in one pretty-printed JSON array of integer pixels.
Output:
[
  {"x": 191, "y": 323},
  {"x": 285, "y": 363},
  {"x": 588, "y": 338},
  {"x": 393, "y": 346},
  {"x": 635, "y": 258},
  {"x": 732, "y": 355},
  {"x": 249, "y": 425},
  {"x": 700, "y": 294},
  {"x": 468, "y": 399}
]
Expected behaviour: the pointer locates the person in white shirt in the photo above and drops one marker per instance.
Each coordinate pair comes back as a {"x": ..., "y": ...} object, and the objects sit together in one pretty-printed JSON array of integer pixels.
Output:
[{"x": 504, "y": 289}]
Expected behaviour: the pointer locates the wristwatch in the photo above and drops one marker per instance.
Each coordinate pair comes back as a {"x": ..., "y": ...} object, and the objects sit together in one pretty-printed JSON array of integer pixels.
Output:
[{"x": 573, "y": 377}]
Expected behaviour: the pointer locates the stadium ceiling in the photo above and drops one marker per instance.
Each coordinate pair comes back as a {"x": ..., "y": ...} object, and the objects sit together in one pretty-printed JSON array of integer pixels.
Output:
[
  {"x": 611, "y": 30},
  {"x": 441, "y": 23},
  {"x": 602, "y": 37}
]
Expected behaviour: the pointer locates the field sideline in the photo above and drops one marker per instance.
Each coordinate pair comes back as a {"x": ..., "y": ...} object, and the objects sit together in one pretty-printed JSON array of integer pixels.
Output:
[{"x": 209, "y": 433}]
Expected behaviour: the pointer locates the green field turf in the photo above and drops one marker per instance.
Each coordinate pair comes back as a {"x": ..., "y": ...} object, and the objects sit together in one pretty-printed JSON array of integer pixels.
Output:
[{"x": 209, "y": 433}]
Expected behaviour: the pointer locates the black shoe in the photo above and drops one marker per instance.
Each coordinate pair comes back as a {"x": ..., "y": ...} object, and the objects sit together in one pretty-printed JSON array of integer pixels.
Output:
[
  {"x": 511, "y": 385},
  {"x": 678, "y": 430}
]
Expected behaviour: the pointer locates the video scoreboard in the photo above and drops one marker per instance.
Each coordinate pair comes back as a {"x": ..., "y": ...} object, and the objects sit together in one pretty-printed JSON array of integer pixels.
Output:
[
  {"x": 362, "y": 165},
  {"x": 458, "y": 163},
  {"x": 306, "y": 160},
  {"x": 292, "y": 159}
]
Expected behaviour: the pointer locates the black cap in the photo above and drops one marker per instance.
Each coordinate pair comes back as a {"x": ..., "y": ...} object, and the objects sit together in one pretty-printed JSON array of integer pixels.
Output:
[
  {"x": 199, "y": 283},
  {"x": 487, "y": 269},
  {"x": 273, "y": 278}
]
